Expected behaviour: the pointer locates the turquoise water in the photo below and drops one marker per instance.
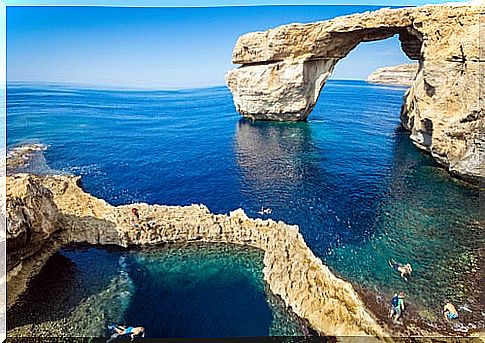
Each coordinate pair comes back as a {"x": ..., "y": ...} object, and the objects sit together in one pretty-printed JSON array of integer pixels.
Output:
[
  {"x": 360, "y": 191},
  {"x": 194, "y": 290}
]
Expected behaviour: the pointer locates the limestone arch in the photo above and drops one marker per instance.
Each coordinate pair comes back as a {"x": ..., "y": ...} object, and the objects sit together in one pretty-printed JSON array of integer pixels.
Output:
[
  {"x": 303, "y": 76},
  {"x": 283, "y": 70}
]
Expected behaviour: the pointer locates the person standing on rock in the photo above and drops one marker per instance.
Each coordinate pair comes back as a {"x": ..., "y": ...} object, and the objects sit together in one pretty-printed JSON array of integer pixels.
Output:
[
  {"x": 135, "y": 218},
  {"x": 397, "y": 303}
]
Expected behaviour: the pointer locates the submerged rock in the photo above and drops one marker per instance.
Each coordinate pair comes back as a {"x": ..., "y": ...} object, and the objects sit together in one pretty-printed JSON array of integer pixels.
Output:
[
  {"x": 329, "y": 304},
  {"x": 401, "y": 75},
  {"x": 283, "y": 70}
]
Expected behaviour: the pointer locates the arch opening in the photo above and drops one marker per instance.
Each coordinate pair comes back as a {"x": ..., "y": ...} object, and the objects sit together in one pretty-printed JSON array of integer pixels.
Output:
[
  {"x": 407, "y": 39},
  {"x": 283, "y": 86},
  {"x": 284, "y": 69},
  {"x": 367, "y": 57}
]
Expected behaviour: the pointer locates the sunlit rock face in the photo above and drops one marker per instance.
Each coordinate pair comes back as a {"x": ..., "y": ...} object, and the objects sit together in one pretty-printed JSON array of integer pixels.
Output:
[
  {"x": 283, "y": 70},
  {"x": 401, "y": 75},
  {"x": 329, "y": 304},
  {"x": 31, "y": 218}
]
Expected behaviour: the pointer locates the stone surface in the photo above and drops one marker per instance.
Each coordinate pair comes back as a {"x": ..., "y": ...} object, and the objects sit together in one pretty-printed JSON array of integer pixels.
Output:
[
  {"x": 292, "y": 271},
  {"x": 283, "y": 70},
  {"x": 31, "y": 217},
  {"x": 401, "y": 75}
]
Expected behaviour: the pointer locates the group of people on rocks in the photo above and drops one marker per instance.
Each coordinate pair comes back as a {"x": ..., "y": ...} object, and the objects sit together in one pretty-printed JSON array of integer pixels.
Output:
[{"x": 397, "y": 301}]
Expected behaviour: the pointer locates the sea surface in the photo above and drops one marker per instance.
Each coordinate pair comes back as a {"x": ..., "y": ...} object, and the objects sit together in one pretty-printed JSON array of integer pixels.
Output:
[{"x": 350, "y": 178}]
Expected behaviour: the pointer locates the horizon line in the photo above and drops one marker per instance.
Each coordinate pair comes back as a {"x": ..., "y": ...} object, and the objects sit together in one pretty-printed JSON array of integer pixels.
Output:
[{"x": 136, "y": 88}]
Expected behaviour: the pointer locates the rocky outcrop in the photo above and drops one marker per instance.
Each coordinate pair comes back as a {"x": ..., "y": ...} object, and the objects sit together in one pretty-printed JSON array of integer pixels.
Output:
[
  {"x": 32, "y": 217},
  {"x": 401, "y": 75},
  {"x": 283, "y": 70},
  {"x": 292, "y": 271}
]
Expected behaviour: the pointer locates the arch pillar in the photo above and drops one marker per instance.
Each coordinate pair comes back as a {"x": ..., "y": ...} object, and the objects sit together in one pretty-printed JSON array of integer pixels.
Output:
[{"x": 283, "y": 70}]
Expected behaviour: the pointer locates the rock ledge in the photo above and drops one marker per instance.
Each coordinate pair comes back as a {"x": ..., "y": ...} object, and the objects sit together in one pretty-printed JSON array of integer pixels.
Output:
[{"x": 292, "y": 271}]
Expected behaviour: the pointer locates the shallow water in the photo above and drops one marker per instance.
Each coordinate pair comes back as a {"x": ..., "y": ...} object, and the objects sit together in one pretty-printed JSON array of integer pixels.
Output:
[{"x": 350, "y": 177}]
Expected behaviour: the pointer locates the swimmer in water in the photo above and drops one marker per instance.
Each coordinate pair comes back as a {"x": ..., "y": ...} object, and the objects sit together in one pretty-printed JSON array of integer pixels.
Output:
[
  {"x": 265, "y": 211},
  {"x": 404, "y": 269},
  {"x": 121, "y": 330}
]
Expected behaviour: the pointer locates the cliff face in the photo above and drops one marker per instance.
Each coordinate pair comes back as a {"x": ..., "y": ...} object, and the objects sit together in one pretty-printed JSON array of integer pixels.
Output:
[
  {"x": 283, "y": 70},
  {"x": 32, "y": 217},
  {"x": 402, "y": 75},
  {"x": 291, "y": 270}
]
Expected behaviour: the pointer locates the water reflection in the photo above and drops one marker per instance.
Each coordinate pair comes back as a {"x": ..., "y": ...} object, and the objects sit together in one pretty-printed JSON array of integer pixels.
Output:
[
  {"x": 275, "y": 155},
  {"x": 284, "y": 168},
  {"x": 280, "y": 169},
  {"x": 357, "y": 209}
]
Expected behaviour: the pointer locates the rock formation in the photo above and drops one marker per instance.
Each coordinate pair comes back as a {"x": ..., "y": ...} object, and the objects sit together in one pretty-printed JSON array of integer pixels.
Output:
[
  {"x": 401, "y": 75},
  {"x": 283, "y": 70},
  {"x": 330, "y": 304}
]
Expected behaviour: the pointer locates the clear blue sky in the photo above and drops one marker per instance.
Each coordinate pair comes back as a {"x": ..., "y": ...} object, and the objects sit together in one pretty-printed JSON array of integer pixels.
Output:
[{"x": 157, "y": 47}]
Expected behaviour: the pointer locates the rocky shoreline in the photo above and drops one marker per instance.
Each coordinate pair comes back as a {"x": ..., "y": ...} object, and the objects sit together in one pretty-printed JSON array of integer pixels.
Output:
[
  {"x": 47, "y": 211},
  {"x": 53, "y": 210},
  {"x": 399, "y": 75},
  {"x": 57, "y": 212}
]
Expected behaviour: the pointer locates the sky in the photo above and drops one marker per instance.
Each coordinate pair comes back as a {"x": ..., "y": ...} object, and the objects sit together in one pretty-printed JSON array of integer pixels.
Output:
[
  {"x": 162, "y": 48},
  {"x": 209, "y": 3}
]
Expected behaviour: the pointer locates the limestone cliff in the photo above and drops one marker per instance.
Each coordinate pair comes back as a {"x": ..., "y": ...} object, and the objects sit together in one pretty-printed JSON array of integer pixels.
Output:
[
  {"x": 32, "y": 217},
  {"x": 401, "y": 75},
  {"x": 292, "y": 271},
  {"x": 283, "y": 70}
]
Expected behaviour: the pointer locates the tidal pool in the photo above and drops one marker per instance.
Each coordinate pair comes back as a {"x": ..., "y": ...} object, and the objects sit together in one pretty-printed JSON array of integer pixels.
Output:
[{"x": 193, "y": 290}]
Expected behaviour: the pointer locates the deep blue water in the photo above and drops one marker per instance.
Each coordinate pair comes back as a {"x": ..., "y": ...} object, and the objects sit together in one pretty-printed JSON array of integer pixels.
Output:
[
  {"x": 196, "y": 290},
  {"x": 360, "y": 191}
]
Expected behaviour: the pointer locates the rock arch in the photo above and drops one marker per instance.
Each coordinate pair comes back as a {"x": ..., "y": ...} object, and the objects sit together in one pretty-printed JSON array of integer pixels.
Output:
[
  {"x": 62, "y": 213},
  {"x": 284, "y": 69}
]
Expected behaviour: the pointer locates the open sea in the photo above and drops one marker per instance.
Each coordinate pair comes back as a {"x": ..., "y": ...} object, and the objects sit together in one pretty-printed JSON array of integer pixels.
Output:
[{"x": 350, "y": 178}]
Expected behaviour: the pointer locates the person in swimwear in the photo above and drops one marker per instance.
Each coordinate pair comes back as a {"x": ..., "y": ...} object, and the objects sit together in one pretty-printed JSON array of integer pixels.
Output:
[
  {"x": 135, "y": 218},
  {"x": 122, "y": 330},
  {"x": 449, "y": 311},
  {"x": 404, "y": 269}
]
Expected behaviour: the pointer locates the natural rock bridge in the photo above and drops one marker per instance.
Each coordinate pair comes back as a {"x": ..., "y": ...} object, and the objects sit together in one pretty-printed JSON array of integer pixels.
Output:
[
  {"x": 284, "y": 69},
  {"x": 46, "y": 212}
]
